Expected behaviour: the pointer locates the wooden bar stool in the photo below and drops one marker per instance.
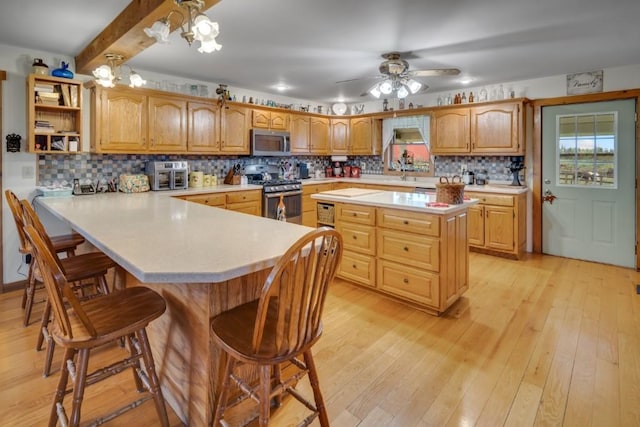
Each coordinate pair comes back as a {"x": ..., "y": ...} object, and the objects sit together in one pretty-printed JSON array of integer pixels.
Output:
[
  {"x": 66, "y": 243},
  {"x": 280, "y": 327},
  {"x": 122, "y": 314},
  {"x": 77, "y": 269}
]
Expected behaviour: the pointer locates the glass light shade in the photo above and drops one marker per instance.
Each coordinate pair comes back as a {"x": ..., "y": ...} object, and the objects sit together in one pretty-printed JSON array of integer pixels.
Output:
[
  {"x": 136, "y": 80},
  {"x": 386, "y": 87},
  {"x": 202, "y": 26},
  {"x": 208, "y": 46},
  {"x": 375, "y": 91},
  {"x": 103, "y": 72},
  {"x": 403, "y": 92},
  {"x": 159, "y": 31},
  {"x": 106, "y": 82},
  {"x": 413, "y": 85}
]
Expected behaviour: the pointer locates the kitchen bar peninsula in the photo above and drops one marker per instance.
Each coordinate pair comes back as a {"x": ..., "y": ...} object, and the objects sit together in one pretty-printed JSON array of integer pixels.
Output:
[
  {"x": 202, "y": 260},
  {"x": 401, "y": 244}
]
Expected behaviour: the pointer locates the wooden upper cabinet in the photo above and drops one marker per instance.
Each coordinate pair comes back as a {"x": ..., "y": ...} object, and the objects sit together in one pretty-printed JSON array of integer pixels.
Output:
[
  {"x": 167, "y": 124},
  {"x": 319, "y": 136},
  {"x": 495, "y": 129},
  {"x": 274, "y": 120},
  {"x": 339, "y": 136},
  {"x": 234, "y": 130},
  {"x": 450, "y": 131},
  {"x": 365, "y": 136},
  {"x": 203, "y": 127},
  {"x": 300, "y": 130},
  {"x": 119, "y": 120}
]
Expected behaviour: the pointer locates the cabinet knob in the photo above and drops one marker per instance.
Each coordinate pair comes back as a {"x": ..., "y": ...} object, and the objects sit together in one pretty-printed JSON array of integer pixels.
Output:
[
  {"x": 406, "y": 249},
  {"x": 354, "y": 267},
  {"x": 405, "y": 280},
  {"x": 354, "y": 237},
  {"x": 354, "y": 214},
  {"x": 405, "y": 222}
]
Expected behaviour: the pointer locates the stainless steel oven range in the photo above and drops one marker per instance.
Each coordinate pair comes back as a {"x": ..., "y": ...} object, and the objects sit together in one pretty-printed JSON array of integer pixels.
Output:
[{"x": 273, "y": 187}]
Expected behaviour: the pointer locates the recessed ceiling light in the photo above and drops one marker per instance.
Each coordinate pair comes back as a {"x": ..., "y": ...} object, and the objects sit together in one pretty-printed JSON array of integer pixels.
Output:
[
  {"x": 281, "y": 87},
  {"x": 466, "y": 80}
]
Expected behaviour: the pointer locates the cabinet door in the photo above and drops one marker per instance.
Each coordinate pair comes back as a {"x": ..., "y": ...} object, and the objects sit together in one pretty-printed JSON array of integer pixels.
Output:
[
  {"x": 319, "y": 135},
  {"x": 495, "y": 129},
  {"x": 300, "y": 127},
  {"x": 234, "y": 137},
  {"x": 450, "y": 131},
  {"x": 260, "y": 119},
  {"x": 475, "y": 217},
  {"x": 204, "y": 127},
  {"x": 339, "y": 136},
  {"x": 121, "y": 121},
  {"x": 498, "y": 225},
  {"x": 361, "y": 135},
  {"x": 167, "y": 124},
  {"x": 279, "y": 121}
]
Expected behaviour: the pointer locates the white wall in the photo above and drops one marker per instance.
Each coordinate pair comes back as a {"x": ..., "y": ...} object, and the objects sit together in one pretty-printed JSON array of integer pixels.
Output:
[{"x": 17, "y": 63}]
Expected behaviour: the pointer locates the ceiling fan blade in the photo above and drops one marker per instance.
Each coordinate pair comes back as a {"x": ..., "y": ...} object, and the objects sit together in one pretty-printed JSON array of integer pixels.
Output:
[
  {"x": 360, "y": 78},
  {"x": 435, "y": 72}
]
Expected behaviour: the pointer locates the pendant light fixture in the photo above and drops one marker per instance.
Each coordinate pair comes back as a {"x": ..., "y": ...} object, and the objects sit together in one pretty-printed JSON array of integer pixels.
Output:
[
  {"x": 195, "y": 25},
  {"x": 109, "y": 74},
  {"x": 401, "y": 86}
]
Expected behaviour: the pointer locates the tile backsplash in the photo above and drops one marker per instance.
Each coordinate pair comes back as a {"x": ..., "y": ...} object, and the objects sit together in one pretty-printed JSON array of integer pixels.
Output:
[{"x": 63, "y": 168}]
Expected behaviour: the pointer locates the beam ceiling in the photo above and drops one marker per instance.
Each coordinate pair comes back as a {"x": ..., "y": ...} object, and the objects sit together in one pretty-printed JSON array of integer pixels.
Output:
[{"x": 125, "y": 35}]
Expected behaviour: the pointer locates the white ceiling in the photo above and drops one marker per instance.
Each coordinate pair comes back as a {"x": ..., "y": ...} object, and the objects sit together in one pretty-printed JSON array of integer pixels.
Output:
[{"x": 309, "y": 45}]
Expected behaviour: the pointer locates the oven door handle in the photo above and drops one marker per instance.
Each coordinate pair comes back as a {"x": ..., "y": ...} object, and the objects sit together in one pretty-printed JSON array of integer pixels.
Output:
[{"x": 284, "y": 193}]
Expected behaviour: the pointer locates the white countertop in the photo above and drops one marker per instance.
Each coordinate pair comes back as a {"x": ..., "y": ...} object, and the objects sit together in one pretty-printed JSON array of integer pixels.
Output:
[
  {"x": 161, "y": 239},
  {"x": 421, "y": 182},
  {"x": 393, "y": 199}
]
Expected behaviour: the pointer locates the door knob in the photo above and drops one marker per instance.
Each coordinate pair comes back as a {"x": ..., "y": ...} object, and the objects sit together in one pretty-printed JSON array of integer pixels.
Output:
[{"x": 548, "y": 196}]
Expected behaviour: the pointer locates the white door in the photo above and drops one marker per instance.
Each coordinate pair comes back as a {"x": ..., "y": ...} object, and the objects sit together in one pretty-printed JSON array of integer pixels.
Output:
[{"x": 588, "y": 174}]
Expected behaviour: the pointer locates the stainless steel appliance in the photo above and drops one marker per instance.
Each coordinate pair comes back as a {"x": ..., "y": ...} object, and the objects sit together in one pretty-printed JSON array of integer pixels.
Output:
[
  {"x": 270, "y": 143},
  {"x": 273, "y": 186},
  {"x": 168, "y": 175}
]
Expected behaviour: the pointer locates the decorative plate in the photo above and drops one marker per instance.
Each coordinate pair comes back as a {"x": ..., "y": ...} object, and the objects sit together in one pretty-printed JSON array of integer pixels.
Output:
[{"x": 340, "y": 108}]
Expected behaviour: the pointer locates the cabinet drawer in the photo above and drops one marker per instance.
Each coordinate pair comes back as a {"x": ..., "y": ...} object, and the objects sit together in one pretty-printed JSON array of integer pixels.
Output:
[
  {"x": 243, "y": 196},
  {"x": 492, "y": 199},
  {"x": 358, "y": 237},
  {"x": 405, "y": 248},
  {"x": 316, "y": 188},
  {"x": 251, "y": 208},
  {"x": 217, "y": 199},
  {"x": 408, "y": 282},
  {"x": 358, "y": 268},
  {"x": 354, "y": 213},
  {"x": 413, "y": 222}
]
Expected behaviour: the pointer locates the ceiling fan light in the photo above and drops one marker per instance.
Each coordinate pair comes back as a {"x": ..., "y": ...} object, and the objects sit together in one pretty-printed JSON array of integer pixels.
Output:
[
  {"x": 209, "y": 45},
  {"x": 413, "y": 85},
  {"x": 136, "y": 80},
  {"x": 202, "y": 26},
  {"x": 403, "y": 92},
  {"x": 386, "y": 87},
  {"x": 375, "y": 91},
  {"x": 159, "y": 31},
  {"x": 103, "y": 72}
]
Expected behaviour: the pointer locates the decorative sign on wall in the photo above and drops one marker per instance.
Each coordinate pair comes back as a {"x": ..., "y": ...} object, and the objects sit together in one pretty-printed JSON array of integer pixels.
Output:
[{"x": 581, "y": 83}]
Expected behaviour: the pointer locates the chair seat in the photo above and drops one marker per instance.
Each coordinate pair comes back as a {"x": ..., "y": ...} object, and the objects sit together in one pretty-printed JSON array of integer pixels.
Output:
[
  {"x": 113, "y": 315},
  {"x": 86, "y": 266},
  {"x": 67, "y": 242},
  {"x": 233, "y": 330}
]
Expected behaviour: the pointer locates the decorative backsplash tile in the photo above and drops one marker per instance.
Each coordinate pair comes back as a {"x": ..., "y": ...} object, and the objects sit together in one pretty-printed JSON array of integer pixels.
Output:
[{"x": 63, "y": 168}]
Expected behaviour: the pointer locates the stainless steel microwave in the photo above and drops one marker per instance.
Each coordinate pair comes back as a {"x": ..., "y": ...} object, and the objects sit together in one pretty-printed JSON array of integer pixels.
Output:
[{"x": 270, "y": 143}]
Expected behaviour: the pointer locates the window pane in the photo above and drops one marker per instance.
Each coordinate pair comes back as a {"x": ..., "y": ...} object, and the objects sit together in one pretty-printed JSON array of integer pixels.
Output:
[{"x": 586, "y": 149}]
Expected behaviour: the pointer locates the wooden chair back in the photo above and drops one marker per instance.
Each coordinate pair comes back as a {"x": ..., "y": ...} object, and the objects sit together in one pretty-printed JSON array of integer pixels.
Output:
[
  {"x": 30, "y": 217},
  {"x": 58, "y": 289},
  {"x": 16, "y": 210},
  {"x": 294, "y": 293}
]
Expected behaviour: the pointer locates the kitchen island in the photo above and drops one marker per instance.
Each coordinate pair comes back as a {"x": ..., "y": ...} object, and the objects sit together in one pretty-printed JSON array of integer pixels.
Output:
[
  {"x": 404, "y": 245},
  {"x": 202, "y": 260}
]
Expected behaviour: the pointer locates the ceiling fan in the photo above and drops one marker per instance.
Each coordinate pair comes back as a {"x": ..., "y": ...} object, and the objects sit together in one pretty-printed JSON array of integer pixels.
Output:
[{"x": 396, "y": 76}]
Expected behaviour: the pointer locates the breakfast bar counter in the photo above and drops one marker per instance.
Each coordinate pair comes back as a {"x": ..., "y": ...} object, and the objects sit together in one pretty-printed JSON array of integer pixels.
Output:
[{"x": 202, "y": 260}]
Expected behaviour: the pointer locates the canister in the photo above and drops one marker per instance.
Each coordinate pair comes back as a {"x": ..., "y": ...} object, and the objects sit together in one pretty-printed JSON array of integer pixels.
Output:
[
  {"x": 207, "y": 181},
  {"x": 196, "y": 179}
]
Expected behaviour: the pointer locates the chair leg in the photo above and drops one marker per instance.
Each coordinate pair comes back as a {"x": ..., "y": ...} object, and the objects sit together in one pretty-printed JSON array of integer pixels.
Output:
[
  {"x": 26, "y": 286},
  {"x": 315, "y": 386},
  {"x": 264, "y": 392},
  {"x": 153, "y": 378},
  {"x": 44, "y": 323},
  {"x": 69, "y": 354},
  {"x": 221, "y": 398},
  {"x": 133, "y": 352},
  {"x": 82, "y": 365},
  {"x": 48, "y": 359},
  {"x": 30, "y": 291},
  {"x": 277, "y": 379}
]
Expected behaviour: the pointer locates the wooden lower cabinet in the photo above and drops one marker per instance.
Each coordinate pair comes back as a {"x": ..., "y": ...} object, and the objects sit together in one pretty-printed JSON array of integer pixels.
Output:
[
  {"x": 419, "y": 258},
  {"x": 497, "y": 224},
  {"x": 309, "y": 205},
  {"x": 249, "y": 201}
]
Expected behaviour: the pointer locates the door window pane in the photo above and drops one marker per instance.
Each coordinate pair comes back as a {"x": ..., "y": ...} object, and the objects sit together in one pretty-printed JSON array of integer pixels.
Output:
[{"x": 586, "y": 149}]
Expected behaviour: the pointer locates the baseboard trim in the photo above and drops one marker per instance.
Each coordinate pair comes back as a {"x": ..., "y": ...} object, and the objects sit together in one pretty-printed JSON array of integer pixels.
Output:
[{"x": 10, "y": 287}]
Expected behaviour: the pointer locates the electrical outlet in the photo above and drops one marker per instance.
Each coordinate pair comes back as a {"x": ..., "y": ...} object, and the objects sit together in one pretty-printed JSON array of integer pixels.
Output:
[
  {"x": 27, "y": 259},
  {"x": 28, "y": 172}
]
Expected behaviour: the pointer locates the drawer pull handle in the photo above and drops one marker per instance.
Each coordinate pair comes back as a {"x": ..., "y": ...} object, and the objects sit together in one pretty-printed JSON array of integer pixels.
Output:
[
  {"x": 354, "y": 214},
  {"x": 405, "y": 280},
  {"x": 406, "y": 249},
  {"x": 354, "y": 237},
  {"x": 354, "y": 267},
  {"x": 405, "y": 222}
]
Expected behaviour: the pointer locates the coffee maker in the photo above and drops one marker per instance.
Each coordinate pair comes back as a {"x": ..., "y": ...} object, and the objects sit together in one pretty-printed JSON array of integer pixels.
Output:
[{"x": 517, "y": 164}]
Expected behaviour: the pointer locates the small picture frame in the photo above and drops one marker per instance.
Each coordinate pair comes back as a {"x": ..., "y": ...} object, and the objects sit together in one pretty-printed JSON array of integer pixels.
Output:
[{"x": 583, "y": 83}]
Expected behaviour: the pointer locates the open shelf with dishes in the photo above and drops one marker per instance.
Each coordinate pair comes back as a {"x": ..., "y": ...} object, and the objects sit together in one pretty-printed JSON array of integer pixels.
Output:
[{"x": 54, "y": 114}]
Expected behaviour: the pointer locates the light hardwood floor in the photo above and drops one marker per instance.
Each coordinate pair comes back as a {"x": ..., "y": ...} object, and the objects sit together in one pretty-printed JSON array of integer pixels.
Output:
[{"x": 541, "y": 341}]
